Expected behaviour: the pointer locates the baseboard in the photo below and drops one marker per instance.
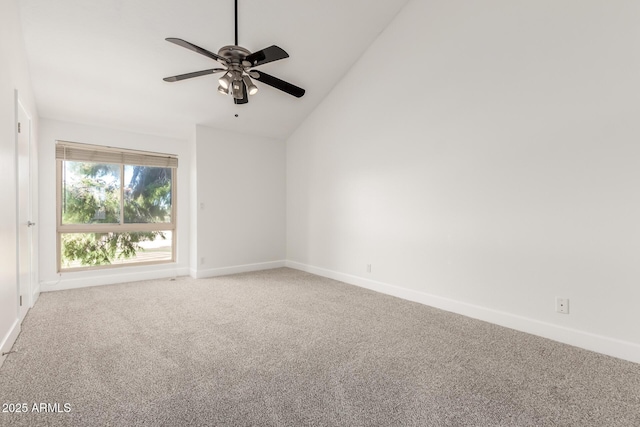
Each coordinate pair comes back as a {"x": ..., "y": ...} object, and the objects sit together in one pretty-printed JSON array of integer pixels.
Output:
[
  {"x": 223, "y": 271},
  {"x": 75, "y": 280},
  {"x": 9, "y": 339},
  {"x": 601, "y": 344},
  {"x": 84, "y": 279}
]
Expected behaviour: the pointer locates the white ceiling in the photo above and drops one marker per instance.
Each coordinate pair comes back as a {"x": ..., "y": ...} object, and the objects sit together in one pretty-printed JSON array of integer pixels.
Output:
[{"x": 102, "y": 62}]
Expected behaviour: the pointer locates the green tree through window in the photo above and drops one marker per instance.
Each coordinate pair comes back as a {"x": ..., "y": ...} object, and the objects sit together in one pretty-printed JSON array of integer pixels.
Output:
[{"x": 110, "y": 213}]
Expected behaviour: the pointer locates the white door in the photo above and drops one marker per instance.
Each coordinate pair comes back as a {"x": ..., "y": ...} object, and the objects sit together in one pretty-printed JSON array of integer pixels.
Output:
[{"x": 24, "y": 211}]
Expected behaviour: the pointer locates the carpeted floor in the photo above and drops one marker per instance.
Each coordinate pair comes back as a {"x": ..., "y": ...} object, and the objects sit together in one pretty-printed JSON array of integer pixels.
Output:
[{"x": 286, "y": 348}]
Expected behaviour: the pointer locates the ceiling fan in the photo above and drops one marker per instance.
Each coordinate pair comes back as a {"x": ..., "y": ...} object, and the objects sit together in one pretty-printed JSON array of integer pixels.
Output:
[{"x": 238, "y": 64}]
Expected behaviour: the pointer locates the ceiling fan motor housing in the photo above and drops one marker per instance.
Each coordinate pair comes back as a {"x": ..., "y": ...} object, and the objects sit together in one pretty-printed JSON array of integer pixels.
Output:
[{"x": 235, "y": 56}]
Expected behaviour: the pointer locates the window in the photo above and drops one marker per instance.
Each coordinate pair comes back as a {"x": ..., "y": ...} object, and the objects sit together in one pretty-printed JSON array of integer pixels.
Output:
[{"x": 115, "y": 206}]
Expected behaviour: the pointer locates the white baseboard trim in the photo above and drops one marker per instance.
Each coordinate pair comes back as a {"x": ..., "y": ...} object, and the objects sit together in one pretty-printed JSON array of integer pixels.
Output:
[
  {"x": 235, "y": 269},
  {"x": 75, "y": 280},
  {"x": 9, "y": 339},
  {"x": 84, "y": 279},
  {"x": 601, "y": 344}
]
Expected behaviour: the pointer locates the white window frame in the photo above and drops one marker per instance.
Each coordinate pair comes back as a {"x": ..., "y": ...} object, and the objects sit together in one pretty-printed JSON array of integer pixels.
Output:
[{"x": 74, "y": 151}]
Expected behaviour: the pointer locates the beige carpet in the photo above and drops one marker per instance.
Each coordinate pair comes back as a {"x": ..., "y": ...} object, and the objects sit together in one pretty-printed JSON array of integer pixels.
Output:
[{"x": 286, "y": 348}]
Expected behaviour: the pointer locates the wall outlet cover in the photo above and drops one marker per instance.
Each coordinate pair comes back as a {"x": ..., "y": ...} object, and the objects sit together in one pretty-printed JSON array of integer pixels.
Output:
[{"x": 562, "y": 305}]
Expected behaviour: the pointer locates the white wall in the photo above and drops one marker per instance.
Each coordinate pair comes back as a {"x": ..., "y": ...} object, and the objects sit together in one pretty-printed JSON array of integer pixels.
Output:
[
  {"x": 52, "y": 130},
  {"x": 241, "y": 202},
  {"x": 193, "y": 212},
  {"x": 14, "y": 75},
  {"x": 483, "y": 157}
]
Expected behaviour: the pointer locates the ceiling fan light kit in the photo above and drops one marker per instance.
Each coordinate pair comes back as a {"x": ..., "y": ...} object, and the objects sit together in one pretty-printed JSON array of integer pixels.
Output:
[
  {"x": 238, "y": 62},
  {"x": 251, "y": 88},
  {"x": 225, "y": 81}
]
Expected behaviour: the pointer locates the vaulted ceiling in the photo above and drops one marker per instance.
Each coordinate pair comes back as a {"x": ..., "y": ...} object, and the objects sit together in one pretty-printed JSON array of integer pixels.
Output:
[{"x": 102, "y": 62}]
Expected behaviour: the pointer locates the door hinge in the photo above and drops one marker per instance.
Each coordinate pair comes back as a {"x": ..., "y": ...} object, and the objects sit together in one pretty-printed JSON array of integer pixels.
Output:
[
  {"x": 20, "y": 300},
  {"x": 19, "y": 127}
]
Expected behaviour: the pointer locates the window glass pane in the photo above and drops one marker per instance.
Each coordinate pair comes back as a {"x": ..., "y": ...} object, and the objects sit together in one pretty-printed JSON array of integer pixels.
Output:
[
  {"x": 90, "y": 193},
  {"x": 147, "y": 194},
  {"x": 95, "y": 249}
]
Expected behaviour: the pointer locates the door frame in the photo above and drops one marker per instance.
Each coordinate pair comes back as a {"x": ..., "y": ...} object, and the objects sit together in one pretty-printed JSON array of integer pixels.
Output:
[{"x": 28, "y": 288}]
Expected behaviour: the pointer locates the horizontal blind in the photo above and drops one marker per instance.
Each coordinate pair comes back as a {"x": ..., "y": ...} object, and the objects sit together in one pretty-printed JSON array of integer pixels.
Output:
[{"x": 100, "y": 154}]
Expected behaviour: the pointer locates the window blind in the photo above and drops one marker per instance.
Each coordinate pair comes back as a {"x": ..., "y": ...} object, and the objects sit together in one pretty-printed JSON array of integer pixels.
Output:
[{"x": 101, "y": 154}]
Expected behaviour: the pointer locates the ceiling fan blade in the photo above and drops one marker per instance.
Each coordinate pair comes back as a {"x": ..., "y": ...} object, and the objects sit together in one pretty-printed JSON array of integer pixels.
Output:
[
  {"x": 280, "y": 84},
  {"x": 196, "y": 49},
  {"x": 194, "y": 74},
  {"x": 269, "y": 54},
  {"x": 244, "y": 98}
]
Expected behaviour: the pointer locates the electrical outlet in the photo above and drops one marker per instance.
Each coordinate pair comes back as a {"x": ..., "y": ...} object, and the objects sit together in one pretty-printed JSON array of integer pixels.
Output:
[
  {"x": 201, "y": 260},
  {"x": 368, "y": 268},
  {"x": 562, "y": 305}
]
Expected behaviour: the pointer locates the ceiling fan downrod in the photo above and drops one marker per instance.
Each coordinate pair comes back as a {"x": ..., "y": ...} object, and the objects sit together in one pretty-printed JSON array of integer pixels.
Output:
[{"x": 236, "y": 13}]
